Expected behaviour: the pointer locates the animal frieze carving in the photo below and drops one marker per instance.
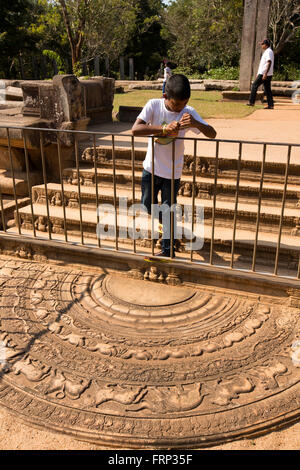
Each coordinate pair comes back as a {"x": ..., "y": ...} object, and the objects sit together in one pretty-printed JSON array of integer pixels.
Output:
[
  {"x": 174, "y": 399},
  {"x": 122, "y": 394},
  {"x": 140, "y": 355},
  {"x": 61, "y": 387},
  {"x": 32, "y": 371},
  {"x": 267, "y": 375},
  {"x": 72, "y": 338},
  {"x": 103, "y": 348},
  {"x": 229, "y": 390}
]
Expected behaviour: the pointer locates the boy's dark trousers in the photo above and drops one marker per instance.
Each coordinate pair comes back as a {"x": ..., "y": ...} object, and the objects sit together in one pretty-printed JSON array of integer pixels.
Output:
[
  {"x": 267, "y": 87},
  {"x": 164, "y": 185}
]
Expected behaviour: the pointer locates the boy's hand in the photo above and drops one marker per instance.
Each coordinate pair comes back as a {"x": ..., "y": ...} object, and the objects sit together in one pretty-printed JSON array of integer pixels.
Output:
[
  {"x": 186, "y": 121},
  {"x": 172, "y": 129}
]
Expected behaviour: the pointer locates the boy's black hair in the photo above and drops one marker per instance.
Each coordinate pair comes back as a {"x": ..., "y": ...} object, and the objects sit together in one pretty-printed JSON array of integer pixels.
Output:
[{"x": 178, "y": 87}]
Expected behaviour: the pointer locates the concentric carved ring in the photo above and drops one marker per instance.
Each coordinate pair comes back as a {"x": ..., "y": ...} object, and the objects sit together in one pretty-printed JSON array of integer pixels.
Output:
[{"x": 129, "y": 362}]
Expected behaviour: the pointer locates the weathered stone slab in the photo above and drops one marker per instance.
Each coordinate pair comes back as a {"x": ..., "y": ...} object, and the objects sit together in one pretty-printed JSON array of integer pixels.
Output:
[
  {"x": 220, "y": 84},
  {"x": 99, "y": 97},
  {"x": 11, "y": 93},
  {"x": 241, "y": 95},
  {"x": 128, "y": 113}
]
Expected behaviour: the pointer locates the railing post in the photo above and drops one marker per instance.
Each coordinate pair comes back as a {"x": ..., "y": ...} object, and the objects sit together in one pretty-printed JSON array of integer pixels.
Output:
[
  {"x": 259, "y": 206},
  {"x": 79, "y": 190},
  {"x": 45, "y": 184},
  {"x": 96, "y": 184},
  {"x": 193, "y": 193},
  {"x": 152, "y": 200},
  {"x": 214, "y": 204},
  {"x": 115, "y": 189},
  {"x": 236, "y": 204},
  {"x": 133, "y": 188},
  {"x": 172, "y": 215},
  {"x": 282, "y": 208},
  {"x": 28, "y": 181},
  {"x": 14, "y": 181},
  {"x": 62, "y": 186},
  {"x": 2, "y": 212}
]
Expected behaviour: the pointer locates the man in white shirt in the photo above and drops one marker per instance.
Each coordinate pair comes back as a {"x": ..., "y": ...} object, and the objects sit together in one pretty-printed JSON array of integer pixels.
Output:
[{"x": 264, "y": 75}]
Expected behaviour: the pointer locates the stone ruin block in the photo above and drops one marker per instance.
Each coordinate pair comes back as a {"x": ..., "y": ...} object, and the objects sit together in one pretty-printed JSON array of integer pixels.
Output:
[{"x": 99, "y": 97}]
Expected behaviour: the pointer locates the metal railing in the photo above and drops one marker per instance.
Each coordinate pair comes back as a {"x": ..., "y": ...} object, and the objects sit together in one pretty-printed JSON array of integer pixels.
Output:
[{"x": 56, "y": 138}]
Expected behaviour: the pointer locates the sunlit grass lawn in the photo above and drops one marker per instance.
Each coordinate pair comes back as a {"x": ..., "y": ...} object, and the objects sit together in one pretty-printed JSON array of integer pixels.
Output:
[{"x": 208, "y": 104}]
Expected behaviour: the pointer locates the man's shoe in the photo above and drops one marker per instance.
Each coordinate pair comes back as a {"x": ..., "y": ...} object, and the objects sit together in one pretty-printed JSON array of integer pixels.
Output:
[
  {"x": 249, "y": 104},
  {"x": 269, "y": 107}
]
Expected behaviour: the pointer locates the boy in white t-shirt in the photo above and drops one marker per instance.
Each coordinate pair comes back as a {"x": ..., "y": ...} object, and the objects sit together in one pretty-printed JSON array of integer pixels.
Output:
[
  {"x": 167, "y": 118},
  {"x": 264, "y": 75}
]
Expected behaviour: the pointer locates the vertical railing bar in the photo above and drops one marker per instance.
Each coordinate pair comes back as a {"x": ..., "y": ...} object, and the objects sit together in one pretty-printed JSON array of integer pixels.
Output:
[
  {"x": 298, "y": 273},
  {"x": 62, "y": 186},
  {"x": 96, "y": 185},
  {"x": 152, "y": 200},
  {"x": 2, "y": 211},
  {"x": 236, "y": 204},
  {"x": 115, "y": 188},
  {"x": 214, "y": 204},
  {"x": 133, "y": 189},
  {"x": 79, "y": 190},
  {"x": 259, "y": 206},
  {"x": 45, "y": 184},
  {"x": 282, "y": 209},
  {"x": 14, "y": 181},
  {"x": 193, "y": 193},
  {"x": 172, "y": 214},
  {"x": 28, "y": 181}
]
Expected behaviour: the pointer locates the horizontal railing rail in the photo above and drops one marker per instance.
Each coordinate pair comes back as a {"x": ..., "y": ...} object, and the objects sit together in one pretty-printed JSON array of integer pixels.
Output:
[{"x": 281, "y": 243}]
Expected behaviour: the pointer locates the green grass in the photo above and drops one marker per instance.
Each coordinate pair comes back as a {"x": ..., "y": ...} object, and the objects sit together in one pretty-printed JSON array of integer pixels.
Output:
[{"x": 208, "y": 104}]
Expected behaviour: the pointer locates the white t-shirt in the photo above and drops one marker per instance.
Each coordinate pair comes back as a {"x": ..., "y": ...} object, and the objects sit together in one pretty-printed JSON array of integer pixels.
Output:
[
  {"x": 156, "y": 114},
  {"x": 267, "y": 55}
]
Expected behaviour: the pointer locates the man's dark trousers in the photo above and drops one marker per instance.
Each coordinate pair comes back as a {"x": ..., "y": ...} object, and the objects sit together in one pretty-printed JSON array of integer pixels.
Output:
[{"x": 267, "y": 87}]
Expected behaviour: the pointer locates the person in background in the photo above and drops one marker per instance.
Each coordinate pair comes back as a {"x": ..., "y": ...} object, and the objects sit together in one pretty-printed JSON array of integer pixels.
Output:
[
  {"x": 167, "y": 75},
  {"x": 264, "y": 75}
]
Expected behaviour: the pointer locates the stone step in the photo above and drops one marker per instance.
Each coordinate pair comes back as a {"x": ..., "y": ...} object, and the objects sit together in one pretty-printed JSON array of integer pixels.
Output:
[
  {"x": 205, "y": 166},
  {"x": 224, "y": 211},
  {"x": 226, "y": 187},
  {"x": 222, "y": 246},
  {"x": 246, "y": 210}
]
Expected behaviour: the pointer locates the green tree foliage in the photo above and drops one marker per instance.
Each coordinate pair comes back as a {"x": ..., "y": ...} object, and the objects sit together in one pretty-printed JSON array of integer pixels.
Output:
[
  {"x": 284, "y": 24},
  {"x": 147, "y": 46},
  {"x": 110, "y": 23},
  {"x": 204, "y": 33},
  {"x": 51, "y": 38},
  {"x": 284, "y": 31},
  {"x": 14, "y": 35}
]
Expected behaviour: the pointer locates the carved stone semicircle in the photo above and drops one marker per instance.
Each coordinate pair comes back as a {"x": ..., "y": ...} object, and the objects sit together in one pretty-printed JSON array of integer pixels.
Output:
[
  {"x": 134, "y": 364},
  {"x": 138, "y": 292}
]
